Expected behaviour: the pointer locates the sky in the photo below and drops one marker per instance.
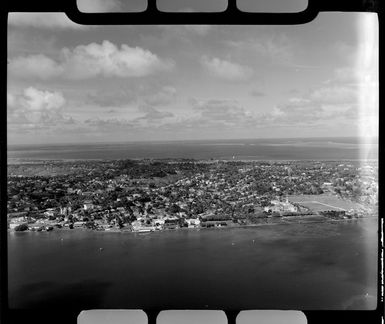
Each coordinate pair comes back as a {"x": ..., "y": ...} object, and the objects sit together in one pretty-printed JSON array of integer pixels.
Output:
[{"x": 69, "y": 83}]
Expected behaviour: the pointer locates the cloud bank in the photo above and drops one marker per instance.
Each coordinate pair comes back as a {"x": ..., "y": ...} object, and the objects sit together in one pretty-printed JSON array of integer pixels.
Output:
[
  {"x": 225, "y": 69},
  {"x": 35, "y": 108},
  {"x": 89, "y": 61}
]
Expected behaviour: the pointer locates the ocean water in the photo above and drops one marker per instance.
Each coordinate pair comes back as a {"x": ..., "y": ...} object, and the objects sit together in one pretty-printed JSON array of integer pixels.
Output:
[
  {"x": 297, "y": 266},
  {"x": 260, "y": 149}
]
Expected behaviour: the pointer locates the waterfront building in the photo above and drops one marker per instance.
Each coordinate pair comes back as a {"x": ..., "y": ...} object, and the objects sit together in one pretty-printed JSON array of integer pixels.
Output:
[
  {"x": 277, "y": 206},
  {"x": 193, "y": 222}
]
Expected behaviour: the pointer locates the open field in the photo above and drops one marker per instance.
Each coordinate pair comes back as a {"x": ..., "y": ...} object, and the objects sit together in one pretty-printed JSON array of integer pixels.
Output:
[{"x": 324, "y": 202}]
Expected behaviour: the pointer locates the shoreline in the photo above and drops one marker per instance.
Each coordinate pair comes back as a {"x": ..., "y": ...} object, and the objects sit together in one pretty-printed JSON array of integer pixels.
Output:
[{"x": 280, "y": 222}]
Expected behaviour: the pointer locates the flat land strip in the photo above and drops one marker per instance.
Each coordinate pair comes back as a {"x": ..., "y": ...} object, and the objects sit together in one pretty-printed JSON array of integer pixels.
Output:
[{"x": 324, "y": 202}]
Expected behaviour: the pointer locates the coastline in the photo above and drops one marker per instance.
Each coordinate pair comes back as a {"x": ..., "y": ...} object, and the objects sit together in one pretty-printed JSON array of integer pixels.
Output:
[{"x": 309, "y": 219}]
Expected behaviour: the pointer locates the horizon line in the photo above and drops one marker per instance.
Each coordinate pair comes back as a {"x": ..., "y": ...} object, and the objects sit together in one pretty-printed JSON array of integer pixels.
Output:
[{"x": 193, "y": 140}]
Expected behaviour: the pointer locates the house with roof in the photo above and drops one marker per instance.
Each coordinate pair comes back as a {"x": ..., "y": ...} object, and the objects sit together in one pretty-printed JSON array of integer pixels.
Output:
[{"x": 88, "y": 205}]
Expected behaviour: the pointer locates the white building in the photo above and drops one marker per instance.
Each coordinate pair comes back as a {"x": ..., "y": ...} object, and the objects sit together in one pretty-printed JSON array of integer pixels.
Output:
[
  {"x": 192, "y": 222},
  {"x": 88, "y": 205},
  {"x": 281, "y": 207},
  {"x": 137, "y": 226}
]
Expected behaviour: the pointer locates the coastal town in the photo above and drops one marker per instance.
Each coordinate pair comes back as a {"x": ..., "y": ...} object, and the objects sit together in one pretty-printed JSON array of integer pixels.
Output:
[{"x": 166, "y": 194}]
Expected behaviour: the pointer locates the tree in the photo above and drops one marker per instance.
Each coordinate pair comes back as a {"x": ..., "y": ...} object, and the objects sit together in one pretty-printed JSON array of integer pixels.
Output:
[
  {"x": 21, "y": 228},
  {"x": 90, "y": 225},
  {"x": 174, "y": 209}
]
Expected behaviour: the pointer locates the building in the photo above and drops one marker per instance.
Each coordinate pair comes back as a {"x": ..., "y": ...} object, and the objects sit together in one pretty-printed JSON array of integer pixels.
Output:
[
  {"x": 193, "y": 222},
  {"x": 216, "y": 223},
  {"x": 171, "y": 223},
  {"x": 277, "y": 206},
  {"x": 79, "y": 224},
  {"x": 137, "y": 226},
  {"x": 88, "y": 205}
]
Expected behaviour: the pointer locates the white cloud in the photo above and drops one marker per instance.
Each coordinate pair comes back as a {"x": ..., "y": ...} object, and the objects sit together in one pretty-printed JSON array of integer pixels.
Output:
[
  {"x": 40, "y": 100},
  {"x": 99, "y": 5},
  {"x": 39, "y": 66},
  {"x": 36, "y": 107},
  {"x": 88, "y": 61},
  {"x": 276, "y": 112},
  {"x": 107, "y": 59},
  {"x": 35, "y": 99},
  {"x": 45, "y": 20},
  {"x": 225, "y": 69},
  {"x": 323, "y": 105},
  {"x": 152, "y": 114}
]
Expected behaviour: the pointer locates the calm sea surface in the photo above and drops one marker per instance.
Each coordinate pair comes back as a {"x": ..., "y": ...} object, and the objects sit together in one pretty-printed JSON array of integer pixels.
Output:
[
  {"x": 295, "y": 266},
  {"x": 261, "y": 149}
]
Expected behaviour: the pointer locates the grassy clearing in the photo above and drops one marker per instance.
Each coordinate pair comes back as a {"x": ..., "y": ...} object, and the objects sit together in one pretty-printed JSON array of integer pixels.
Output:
[{"x": 324, "y": 202}]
